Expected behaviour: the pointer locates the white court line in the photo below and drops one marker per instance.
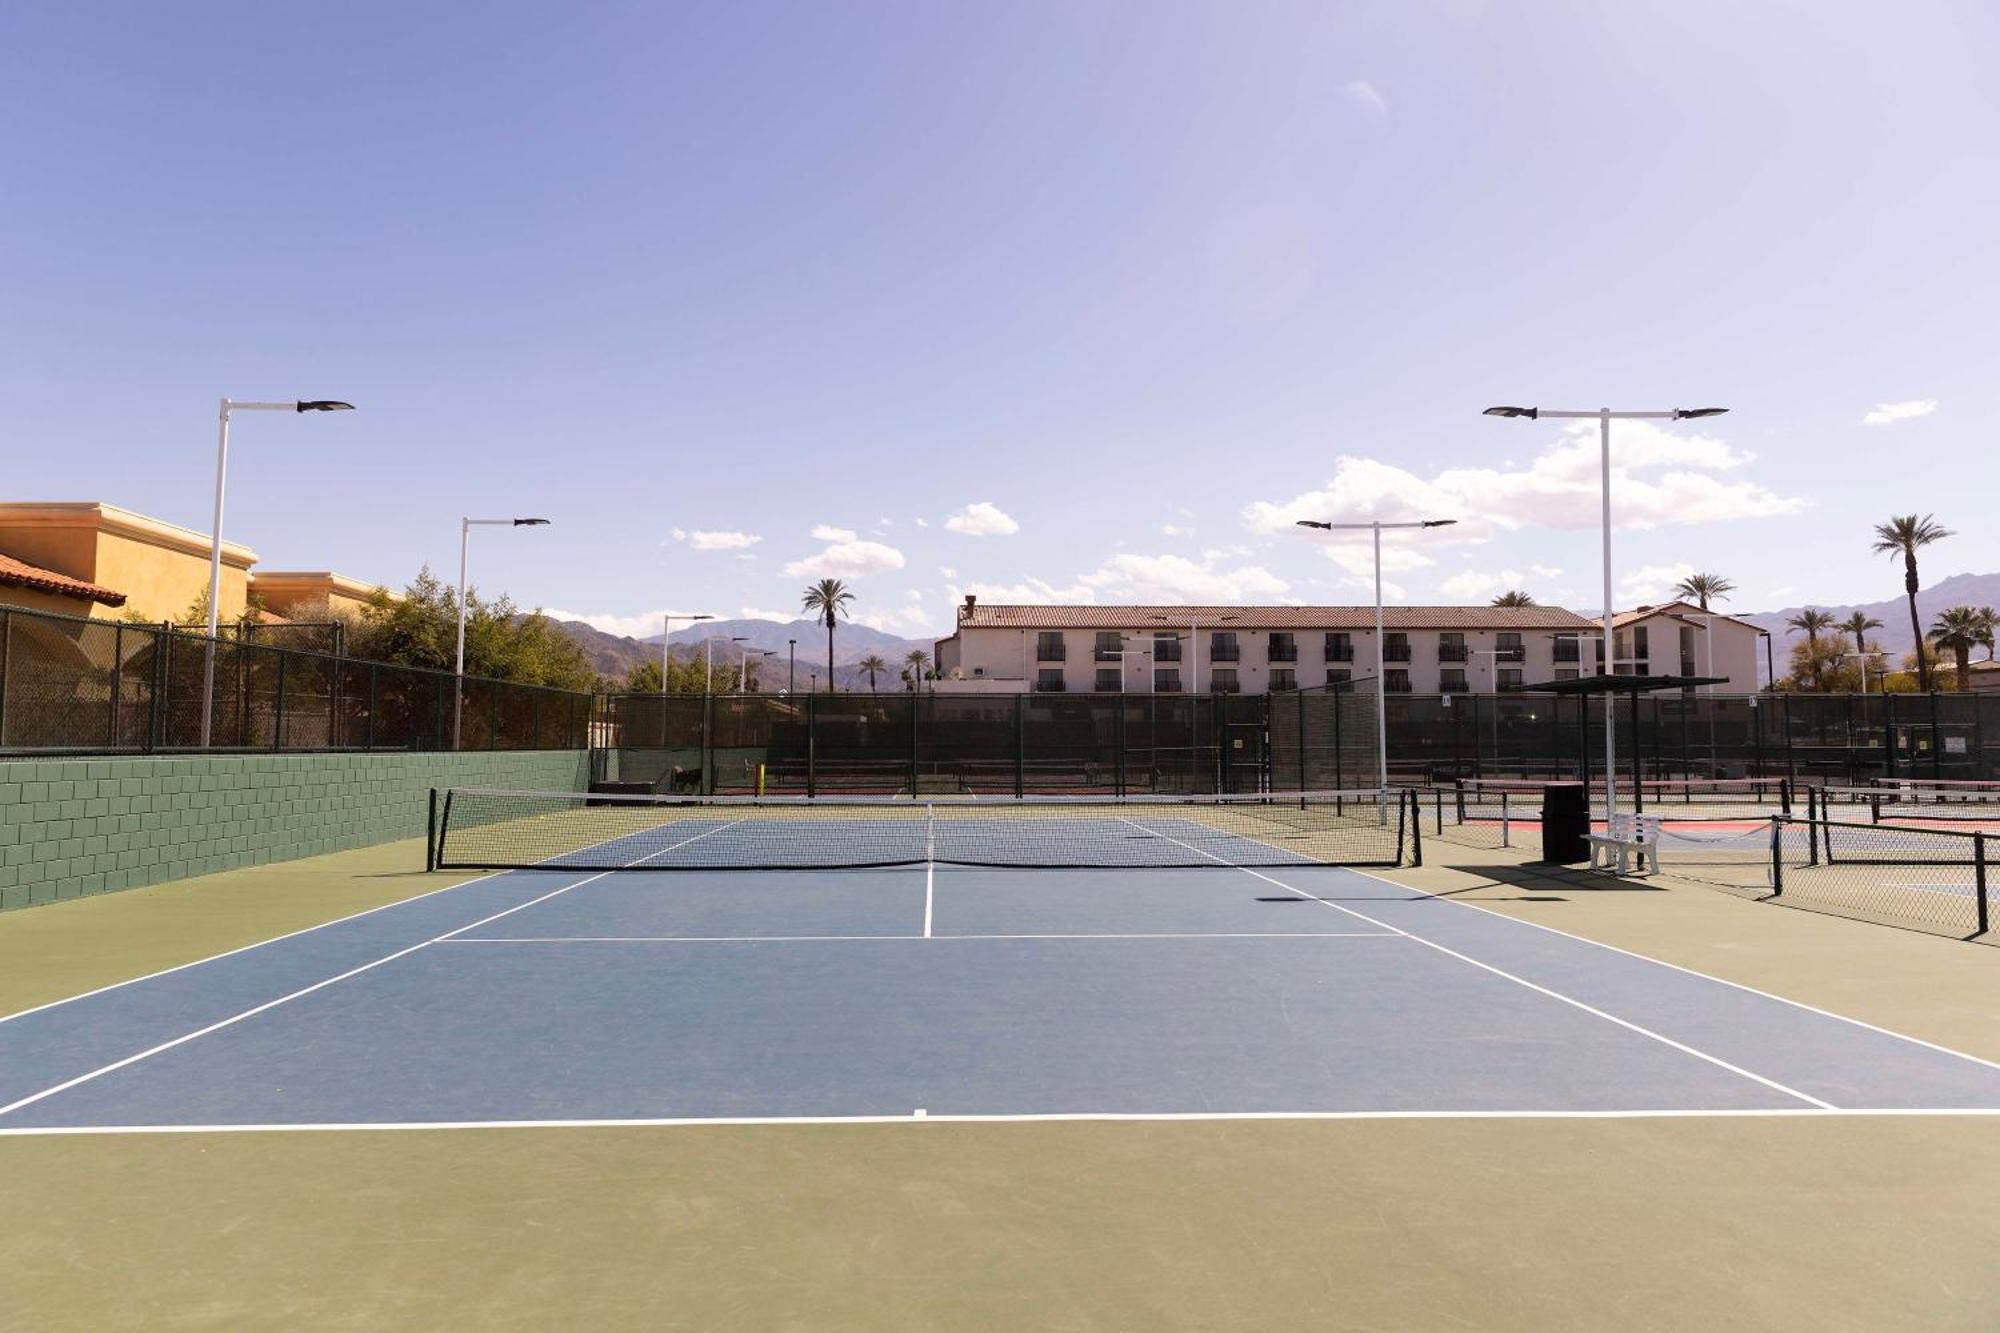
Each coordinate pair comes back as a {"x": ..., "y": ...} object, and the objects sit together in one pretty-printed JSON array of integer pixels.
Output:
[
  {"x": 1037, "y": 1118},
  {"x": 1571, "y": 1000},
  {"x": 835, "y": 939},
  {"x": 1690, "y": 971},
  {"x": 252, "y": 1012}
]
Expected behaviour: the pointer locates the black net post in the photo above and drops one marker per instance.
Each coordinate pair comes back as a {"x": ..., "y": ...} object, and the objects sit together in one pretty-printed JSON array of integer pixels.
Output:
[
  {"x": 1020, "y": 744},
  {"x": 1778, "y": 826},
  {"x": 431, "y": 835},
  {"x": 1408, "y": 816},
  {"x": 1979, "y": 878}
]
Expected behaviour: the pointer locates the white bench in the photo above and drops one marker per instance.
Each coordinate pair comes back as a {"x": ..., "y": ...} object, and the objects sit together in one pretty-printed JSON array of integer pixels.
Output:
[{"x": 1629, "y": 843}]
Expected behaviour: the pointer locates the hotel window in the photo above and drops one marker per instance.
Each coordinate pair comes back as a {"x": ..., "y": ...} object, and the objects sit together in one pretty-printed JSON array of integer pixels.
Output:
[
  {"x": 1049, "y": 646},
  {"x": 1166, "y": 680},
  {"x": 1338, "y": 675},
  {"x": 1222, "y": 646},
  {"x": 1049, "y": 680},
  {"x": 1567, "y": 648},
  {"x": 1451, "y": 680},
  {"x": 1687, "y": 650},
  {"x": 1166, "y": 647},
  {"x": 1223, "y": 680},
  {"x": 1398, "y": 681},
  {"x": 1510, "y": 678},
  {"x": 1451, "y": 646},
  {"x": 1110, "y": 646},
  {"x": 1566, "y": 673},
  {"x": 1508, "y": 642},
  {"x": 1396, "y": 647},
  {"x": 1284, "y": 648},
  {"x": 1110, "y": 680},
  {"x": 1340, "y": 647},
  {"x": 1283, "y": 678}
]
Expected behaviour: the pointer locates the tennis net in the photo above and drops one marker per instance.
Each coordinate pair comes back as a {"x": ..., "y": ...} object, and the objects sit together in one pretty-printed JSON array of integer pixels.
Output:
[
  {"x": 1904, "y": 803},
  {"x": 483, "y": 829}
]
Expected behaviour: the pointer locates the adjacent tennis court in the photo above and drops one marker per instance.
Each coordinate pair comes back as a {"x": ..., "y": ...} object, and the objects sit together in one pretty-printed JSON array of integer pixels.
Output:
[{"x": 933, "y": 990}]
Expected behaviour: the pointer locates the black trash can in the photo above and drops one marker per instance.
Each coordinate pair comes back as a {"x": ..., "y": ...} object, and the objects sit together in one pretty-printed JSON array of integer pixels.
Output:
[{"x": 1565, "y": 823}]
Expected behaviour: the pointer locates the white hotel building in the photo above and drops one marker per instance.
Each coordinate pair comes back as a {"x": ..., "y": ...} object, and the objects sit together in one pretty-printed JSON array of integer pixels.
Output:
[{"x": 1257, "y": 649}]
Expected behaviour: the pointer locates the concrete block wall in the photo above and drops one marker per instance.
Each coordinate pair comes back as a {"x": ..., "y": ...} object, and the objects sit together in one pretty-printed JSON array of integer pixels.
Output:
[{"x": 74, "y": 827}]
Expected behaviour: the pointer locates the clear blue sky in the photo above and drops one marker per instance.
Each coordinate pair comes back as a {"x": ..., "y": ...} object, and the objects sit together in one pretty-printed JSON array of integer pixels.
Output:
[{"x": 1144, "y": 280}]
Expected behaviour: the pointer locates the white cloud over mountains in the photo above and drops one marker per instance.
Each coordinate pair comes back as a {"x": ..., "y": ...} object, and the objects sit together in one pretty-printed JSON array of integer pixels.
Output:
[
  {"x": 846, "y": 559},
  {"x": 716, "y": 541},
  {"x": 1888, "y": 414}
]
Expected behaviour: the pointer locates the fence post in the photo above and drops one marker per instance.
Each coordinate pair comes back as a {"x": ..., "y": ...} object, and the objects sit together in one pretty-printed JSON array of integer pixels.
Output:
[
  {"x": 1791, "y": 764},
  {"x": 1020, "y": 746},
  {"x": 707, "y": 738},
  {"x": 1937, "y": 739},
  {"x": 163, "y": 667},
  {"x": 1118, "y": 744},
  {"x": 278, "y": 711},
  {"x": 6, "y": 640},
  {"x": 916, "y": 711},
  {"x": 368, "y": 731},
  {"x": 1979, "y": 878}
]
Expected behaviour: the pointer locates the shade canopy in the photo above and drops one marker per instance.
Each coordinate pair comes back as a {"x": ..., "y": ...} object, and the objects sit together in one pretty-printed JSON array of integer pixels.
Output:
[{"x": 1622, "y": 684}]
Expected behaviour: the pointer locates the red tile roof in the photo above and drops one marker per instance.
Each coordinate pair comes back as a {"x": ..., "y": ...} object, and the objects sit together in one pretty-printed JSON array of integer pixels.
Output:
[
  {"x": 985, "y": 616},
  {"x": 20, "y": 574}
]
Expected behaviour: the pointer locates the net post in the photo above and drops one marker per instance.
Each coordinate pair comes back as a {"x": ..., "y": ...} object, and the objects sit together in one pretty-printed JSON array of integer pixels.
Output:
[
  {"x": 431, "y": 835},
  {"x": 930, "y": 833},
  {"x": 1778, "y": 855},
  {"x": 1415, "y": 823},
  {"x": 1506, "y": 821},
  {"x": 1979, "y": 879},
  {"x": 1020, "y": 746}
]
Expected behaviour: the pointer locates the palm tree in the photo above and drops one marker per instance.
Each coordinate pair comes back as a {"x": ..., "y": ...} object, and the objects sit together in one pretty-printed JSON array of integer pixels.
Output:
[
  {"x": 872, "y": 664},
  {"x": 826, "y": 600},
  {"x": 1810, "y": 622},
  {"x": 1702, "y": 587},
  {"x": 1989, "y": 629},
  {"x": 1902, "y": 536},
  {"x": 914, "y": 664},
  {"x": 1858, "y": 625},
  {"x": 1957, "y": 629},
  {"x": 1513, "y": 599}
]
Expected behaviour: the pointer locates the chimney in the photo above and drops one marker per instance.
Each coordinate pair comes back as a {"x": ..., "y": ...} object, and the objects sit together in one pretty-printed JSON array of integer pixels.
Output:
[{"x": 965, "y": 612}]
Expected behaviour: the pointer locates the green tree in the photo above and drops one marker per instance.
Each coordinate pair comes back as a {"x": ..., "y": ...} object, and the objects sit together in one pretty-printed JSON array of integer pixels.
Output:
[
  {"x": 684, "y": 676},
  {"x": 1702, "y": 588},
  {"x": 1514, "y": 598},
  {"x": 828, "y": 600},
  {"x": 1989, "y": 629},
  {"x": 1823, "y": 665},
  {"x": 872, "y": 664},
  {"x": 915, "y": 665},
  {"x": 1957, "y": 630},
  {"x": 501, "y": 642},
  {"x": 1901, "y": 538},
  {"x": 1811, "y": 623}
]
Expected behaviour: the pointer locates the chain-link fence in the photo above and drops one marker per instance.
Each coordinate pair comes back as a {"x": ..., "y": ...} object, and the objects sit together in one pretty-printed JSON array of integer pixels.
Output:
[{"x": 70, "y": 685}]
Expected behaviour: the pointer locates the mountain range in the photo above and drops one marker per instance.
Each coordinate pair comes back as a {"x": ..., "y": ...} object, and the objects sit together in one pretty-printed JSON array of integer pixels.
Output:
[
  {"x": 1893, "y": 612},
  {"x": 615, "y": 654}
]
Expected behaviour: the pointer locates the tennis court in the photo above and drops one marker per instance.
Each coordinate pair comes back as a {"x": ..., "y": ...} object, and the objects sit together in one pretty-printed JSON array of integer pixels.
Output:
[{"x": 1227, "y": 986}]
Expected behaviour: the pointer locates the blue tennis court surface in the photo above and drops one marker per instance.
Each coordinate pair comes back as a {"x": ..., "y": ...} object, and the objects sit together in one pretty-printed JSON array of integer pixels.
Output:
[{"x": 562, "y": 996}]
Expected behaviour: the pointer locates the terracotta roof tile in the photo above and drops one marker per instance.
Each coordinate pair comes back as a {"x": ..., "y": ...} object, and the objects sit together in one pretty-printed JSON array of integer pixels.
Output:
[
  {"x": 985, "y": 616},
  {"x": 20, "y": 574}
]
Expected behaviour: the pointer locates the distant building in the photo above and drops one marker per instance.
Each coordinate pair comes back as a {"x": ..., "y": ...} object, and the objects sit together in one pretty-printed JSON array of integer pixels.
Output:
[
  {"x": 1681, "y": 639},
  {"x": 1985, "y": 676},
  {"x": 1254, "y": 649}
]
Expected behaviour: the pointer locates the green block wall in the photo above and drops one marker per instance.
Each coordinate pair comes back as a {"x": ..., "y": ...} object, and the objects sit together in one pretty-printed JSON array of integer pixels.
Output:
[{"x": 74, "y": 827}]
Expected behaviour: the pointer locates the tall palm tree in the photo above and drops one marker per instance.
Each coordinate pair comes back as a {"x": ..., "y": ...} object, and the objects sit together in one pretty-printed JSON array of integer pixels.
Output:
[
  {"x": 827, "y": 599},
  {"x": 1513, "y": 599},
  {"x": 872, "y": 664},
  {"x": 1811, "y": 622},
  {"x": 1700, "y": 588},
  {"x": 1858, "y": 625},
  {"x": 1956, "y": 630},
  {"x": 1989, "y": 629},
  {"x": 914, "y": 663},
  {"x": 1903, "y": 536}
]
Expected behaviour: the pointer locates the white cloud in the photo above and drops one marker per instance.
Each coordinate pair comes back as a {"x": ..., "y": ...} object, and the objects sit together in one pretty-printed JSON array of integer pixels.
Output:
[
  {"x": 1028, "y": 592},
  {"x": 716, "y": 541},
  {"x": 1176, "y": 530},
  {"x": 1545, "y": 571},
  {"x": 982, "y": 519},
  {"x": 1659, "y": 478},
  {"x": 1886, "y": 414},
  {"x": 827, "y": 533},
  {"x": 846, "y": 559},
  {"x": 1649, "y": 585},
  {"x": 911, "y": 620},
  {"x": 637, "y": 625},
  {"x": 946, "y": 571},
  {"x": 1175, "y": 578},
  {"x": 758, "y": 613},
  {"x": 922, "y": 522},
  {"x": 1225, "y": 552},
  {"x": 1367, "y": 96},
  {"x": 1359, "y": 561}
]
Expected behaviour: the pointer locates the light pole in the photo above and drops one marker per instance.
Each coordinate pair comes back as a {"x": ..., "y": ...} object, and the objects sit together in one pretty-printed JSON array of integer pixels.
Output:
[
  {"x": 1879, "y": 652},
  {"x": 743, "y": 679},
  {"x": 1604, "y": 416},
  {"x": 215, "y": 533},
  {"x": 1381, "y": 672},
  {"x": 734, "y": 638},
  {"x": 666, "y": 644},
  {"x": 792, "y": 667},
  {"x": 465, "y": 527},
  {"x": 1194, "y": 648},
  {"x": 1493, "y": 668}
]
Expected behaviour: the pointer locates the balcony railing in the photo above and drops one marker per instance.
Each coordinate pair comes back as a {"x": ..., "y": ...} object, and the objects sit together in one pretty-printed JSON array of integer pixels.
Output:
[
  {"x": 1168, "y": 686},
  {"x": 1050, "y": 687},
  {"x": 1450, "y": 652},
  {"x": 1284, "y": 652},
  {"x": 1450, "y": 686},
  {"x": 1396, "y": 652},
  {"x": 1051, "y": 652},
  {"x": 1340, "y": 650},
  {"x": 1567, "y": 651},
  {"x": 1396, "y": 685},
  {"x": 1109, "y": 654},
  {"x": 1225, "y": 652},
  {"x": 1166, "y": 650}
]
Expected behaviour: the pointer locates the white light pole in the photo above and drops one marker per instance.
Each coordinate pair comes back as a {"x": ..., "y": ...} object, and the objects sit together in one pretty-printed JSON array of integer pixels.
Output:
[
  {"x": 215, "y": 533},
  {"x": 666, "y": 644},
  {"x": 1864, "y": 666},
  {"x": 734, "y": 638},
  {"x": 465, "y": 527},
  {"x": 743, "y": 679},
  {"x": 1381, "y": 671},
  {"x": 1604, "y": 417}
]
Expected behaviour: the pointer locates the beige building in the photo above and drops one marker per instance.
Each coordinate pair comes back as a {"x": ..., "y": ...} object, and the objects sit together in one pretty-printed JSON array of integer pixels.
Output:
[
  {"x": 86, "y": 558},
  {"x": 1255, "y": 649},
  {"x": 1681, "y": 639}
]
